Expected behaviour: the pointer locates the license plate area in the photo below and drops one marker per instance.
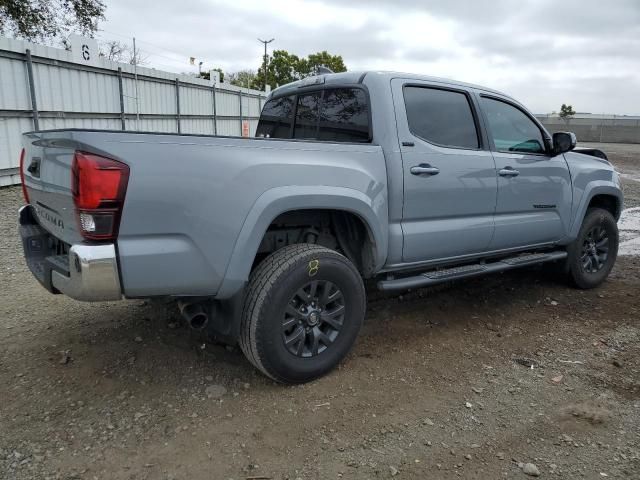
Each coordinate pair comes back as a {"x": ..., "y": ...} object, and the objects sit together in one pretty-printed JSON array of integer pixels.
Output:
[{"x": 42, "y": 251}]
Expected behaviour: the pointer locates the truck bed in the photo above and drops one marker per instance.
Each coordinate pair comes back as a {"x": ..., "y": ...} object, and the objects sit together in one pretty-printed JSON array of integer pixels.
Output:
[{"x": 188, "y": 196}]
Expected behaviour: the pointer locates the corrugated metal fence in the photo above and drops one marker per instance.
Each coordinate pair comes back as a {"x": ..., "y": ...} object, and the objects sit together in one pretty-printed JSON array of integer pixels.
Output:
[
  {"x": 609, "y": 129},
  {"x": 42, "y": 88}
]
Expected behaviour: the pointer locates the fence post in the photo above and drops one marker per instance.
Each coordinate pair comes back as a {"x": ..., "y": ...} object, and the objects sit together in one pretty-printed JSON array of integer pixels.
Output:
[
  {"x": 122, "y": 117},
  {"x": 32, "y": 91},
  {"x": 240, "y": 97},
  {"x": 215, "y": 119},
  {"x": 178, "y": 104}
]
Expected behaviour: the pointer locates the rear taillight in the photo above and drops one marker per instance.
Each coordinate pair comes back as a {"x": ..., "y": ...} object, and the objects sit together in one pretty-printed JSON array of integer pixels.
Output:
[
  {"x": 99, "y": 185},
  {"x": 25, "y": 194}
]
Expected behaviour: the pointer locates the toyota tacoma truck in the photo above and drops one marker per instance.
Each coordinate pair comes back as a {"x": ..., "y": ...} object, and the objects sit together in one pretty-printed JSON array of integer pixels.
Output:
[{"x": 406, "y": 180}]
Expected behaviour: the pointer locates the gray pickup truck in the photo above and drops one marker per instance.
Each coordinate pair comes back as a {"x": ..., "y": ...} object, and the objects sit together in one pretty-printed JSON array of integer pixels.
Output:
[{"x": 403, "y": 179}]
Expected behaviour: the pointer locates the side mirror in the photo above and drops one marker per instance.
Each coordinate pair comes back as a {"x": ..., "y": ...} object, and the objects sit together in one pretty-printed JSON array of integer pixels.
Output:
[{"x": 563, "y": 142}]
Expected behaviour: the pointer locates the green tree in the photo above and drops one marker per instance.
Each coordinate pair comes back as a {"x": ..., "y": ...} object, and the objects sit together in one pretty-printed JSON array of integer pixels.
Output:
[
  {"x": 285, "y": 67},
  {"x": 207, "y": 75},
  {"x": 244, "y": 78},
  {"x": 309, "y": 65},
  {"x": 566, "y": 112},
  {"x": 48, "y": 19}
]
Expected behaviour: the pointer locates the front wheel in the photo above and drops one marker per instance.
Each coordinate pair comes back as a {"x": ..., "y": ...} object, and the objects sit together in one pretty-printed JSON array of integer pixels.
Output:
[
  {"x": 593, "y": 253},
  {"x": 304, "y": 307}
]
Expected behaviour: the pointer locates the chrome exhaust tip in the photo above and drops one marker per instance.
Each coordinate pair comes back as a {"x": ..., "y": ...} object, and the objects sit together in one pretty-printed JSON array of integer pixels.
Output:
[{"x": 194, "y": 313}]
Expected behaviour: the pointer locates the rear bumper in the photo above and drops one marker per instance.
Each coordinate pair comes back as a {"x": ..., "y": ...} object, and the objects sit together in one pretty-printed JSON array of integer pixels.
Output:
[
  {"x": 84, "y": 272},
  {"x": 93, "y": 274}
]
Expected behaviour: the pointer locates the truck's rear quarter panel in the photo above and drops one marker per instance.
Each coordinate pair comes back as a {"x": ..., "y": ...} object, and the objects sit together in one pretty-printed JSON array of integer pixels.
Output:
[{"x": 188, "y": 196}]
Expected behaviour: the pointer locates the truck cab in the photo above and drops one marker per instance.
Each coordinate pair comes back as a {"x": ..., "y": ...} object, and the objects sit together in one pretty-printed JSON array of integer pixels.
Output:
[{"x": 470, "y": 172}]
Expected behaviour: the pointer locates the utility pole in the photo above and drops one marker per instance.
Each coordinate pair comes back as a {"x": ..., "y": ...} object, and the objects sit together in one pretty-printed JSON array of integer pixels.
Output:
[
  {"x": 266, "y": 42},
  {"x": 135, "y": 76}
]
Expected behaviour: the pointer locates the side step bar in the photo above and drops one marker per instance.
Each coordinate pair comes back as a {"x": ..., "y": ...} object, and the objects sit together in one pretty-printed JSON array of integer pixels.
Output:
[{"x": 435, "y": 277}]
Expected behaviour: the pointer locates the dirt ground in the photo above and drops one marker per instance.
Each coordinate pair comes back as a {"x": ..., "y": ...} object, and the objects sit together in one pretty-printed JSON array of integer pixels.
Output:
[{"x": 471, "y": 380}]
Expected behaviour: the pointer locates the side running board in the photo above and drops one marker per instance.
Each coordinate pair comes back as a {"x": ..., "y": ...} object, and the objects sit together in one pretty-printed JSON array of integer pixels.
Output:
[{"x": 467, "y": 271}]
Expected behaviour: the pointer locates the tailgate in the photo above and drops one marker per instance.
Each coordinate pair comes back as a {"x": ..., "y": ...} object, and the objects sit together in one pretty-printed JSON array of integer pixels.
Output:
[{"x": 47, "y": 177}]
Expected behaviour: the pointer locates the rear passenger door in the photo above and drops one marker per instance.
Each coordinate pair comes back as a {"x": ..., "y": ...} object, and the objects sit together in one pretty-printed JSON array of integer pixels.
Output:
[
  {"x": 449, "y": 178},
  {"x": 534, "y": 186}
]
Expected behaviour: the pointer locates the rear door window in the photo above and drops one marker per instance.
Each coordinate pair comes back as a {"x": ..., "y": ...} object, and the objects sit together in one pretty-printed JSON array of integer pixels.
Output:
[
  {"x": 344, "y": 116},
  {"x": 442, "y": 117},
  {"x": 307, "y": 116},
  {"x": 276, "y": 118}
]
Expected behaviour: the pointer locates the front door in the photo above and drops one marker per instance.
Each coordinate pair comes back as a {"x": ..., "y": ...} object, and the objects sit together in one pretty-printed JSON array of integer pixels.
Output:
[
  {"x": 450, "y": 185},
  {"x": 534, "y": 187}
]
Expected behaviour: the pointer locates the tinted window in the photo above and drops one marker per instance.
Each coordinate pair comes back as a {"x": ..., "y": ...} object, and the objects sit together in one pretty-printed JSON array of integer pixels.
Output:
[
  {"x": 344, "y": 116},
  {"x": 441, "y": 117},
  {"x": 307, "y": 116},
  {"x": 276, "y": 117},
  {"x": 512, "y": 130}
]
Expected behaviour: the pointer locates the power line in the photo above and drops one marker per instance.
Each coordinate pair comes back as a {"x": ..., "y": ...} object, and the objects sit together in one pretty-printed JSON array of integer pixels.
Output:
[
  {"x": 154, "y": 53},
  {"x": 177, "y": 54}
]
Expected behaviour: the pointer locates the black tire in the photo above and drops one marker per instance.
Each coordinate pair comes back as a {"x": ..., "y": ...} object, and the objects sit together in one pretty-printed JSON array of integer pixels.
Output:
[
  {"x": 588, "y": 268},
  {"x": 274, "y": 293}
]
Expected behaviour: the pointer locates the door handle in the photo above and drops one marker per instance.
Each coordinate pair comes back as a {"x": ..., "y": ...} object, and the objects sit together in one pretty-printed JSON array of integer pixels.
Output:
[
  {"x": 424, "y": 169},
  {"x": 508, "y": 172}
]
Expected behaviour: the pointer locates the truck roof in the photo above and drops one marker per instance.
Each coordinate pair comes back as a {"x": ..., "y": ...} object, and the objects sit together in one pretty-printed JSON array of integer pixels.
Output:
[{"x": 358, "y": 77}]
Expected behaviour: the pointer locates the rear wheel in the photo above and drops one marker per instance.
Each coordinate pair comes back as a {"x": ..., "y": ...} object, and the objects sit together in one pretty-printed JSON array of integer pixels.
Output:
[
  {"x": 593, "y": 253},
  {"x": 304, "y": 308}
]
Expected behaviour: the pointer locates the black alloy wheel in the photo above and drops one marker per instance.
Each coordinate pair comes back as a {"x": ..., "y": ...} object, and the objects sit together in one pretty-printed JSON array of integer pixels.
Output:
[
  {"x": 595, "y": 249},
  {"x": 313, "y": 319}
]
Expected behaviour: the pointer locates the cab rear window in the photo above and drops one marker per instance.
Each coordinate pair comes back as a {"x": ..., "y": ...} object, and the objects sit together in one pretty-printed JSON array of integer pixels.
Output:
[
  {"x": 307, "y": 116},
  {"x": 344, "y": 116},
  {"x": 333, "y": 115},
  {"x": 276, "y": 117}
]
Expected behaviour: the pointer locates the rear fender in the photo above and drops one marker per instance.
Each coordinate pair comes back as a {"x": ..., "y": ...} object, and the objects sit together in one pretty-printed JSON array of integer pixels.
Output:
[{"x": 277, "y": 201}]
